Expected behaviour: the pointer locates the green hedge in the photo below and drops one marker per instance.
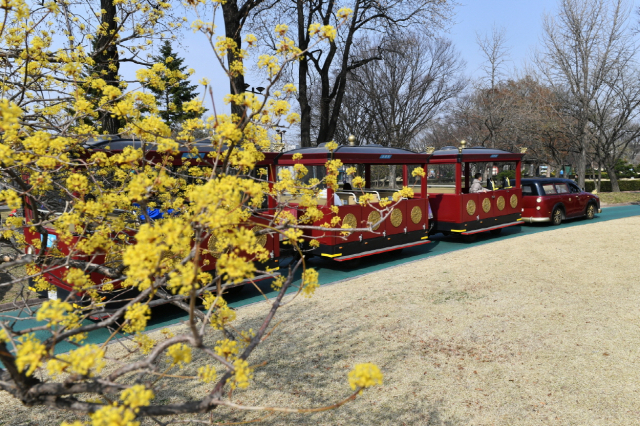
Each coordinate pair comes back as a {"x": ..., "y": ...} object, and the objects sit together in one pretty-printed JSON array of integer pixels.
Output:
[{"x": 605, "y": 186}]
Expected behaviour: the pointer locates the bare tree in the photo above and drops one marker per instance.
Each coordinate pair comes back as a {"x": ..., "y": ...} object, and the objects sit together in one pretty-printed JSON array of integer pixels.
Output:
[
  {"x": 331, "y": 65},
  {"x": 615, "y": 123},
  {"x": 408, "y": 87},
  {"x": 582, "y": 44},
  {"x": 492, "y": 105}
]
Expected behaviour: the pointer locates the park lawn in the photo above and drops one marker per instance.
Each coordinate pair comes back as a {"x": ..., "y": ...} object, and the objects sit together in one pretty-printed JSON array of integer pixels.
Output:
[
  {"x": 609, "y": 198},
  {"x": 547, "y": 334}
]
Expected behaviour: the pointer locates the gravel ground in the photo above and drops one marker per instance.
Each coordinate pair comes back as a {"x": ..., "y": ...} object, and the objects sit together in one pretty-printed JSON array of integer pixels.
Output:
[{"x": 537, "y": 330}]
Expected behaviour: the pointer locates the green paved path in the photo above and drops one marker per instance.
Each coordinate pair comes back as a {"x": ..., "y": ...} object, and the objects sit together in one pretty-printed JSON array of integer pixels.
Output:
[{"x": 331, "y": 271}]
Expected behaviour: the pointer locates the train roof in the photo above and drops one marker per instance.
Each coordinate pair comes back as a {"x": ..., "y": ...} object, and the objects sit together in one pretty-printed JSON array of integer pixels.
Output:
[
  {"x": 451, "y": 154},
  {"x": 114, "y": 143},
  {"x": 352, "y": 154}
]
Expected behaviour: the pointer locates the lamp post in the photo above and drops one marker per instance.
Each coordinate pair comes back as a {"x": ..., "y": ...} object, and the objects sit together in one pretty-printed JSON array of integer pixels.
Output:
[
  {"x": 280, "y": 146},
  {"x": 253, "y": 89}
]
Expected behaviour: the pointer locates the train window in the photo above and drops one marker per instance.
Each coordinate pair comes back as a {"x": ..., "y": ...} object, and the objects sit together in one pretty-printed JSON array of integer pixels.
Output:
[
  {"x": 415, "y": 182},
  {"x": 441, "y": 179},
  {"x": 313, "y": 172}
]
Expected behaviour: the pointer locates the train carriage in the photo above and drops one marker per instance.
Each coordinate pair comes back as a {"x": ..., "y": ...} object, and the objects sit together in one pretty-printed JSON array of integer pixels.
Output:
[
  {"x": 115, "y": 145},
  {"x": 385, "y": 171},
  {"x": 458, "y": 211}
]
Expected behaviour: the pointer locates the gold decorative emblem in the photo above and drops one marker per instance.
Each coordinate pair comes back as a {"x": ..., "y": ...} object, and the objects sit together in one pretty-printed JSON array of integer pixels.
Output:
[
  {"x": 374, "y": 217},
  {"x": 211, "y": 246},
  {"x": 396, "y": 217},
  {"x": 416, "y": 214},
  {"x": 486, "y": 205},
  {"x": 262, "y": 239},
  {"x": 471, "y": 207},
  {"x": 514, "y": 201},
  {"x": 500, "y": 203},
  {"x": 350, "y": 220}
]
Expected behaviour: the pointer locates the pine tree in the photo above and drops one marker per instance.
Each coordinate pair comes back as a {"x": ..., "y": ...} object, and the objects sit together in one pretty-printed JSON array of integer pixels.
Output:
[{"x": 174, "y": 95}]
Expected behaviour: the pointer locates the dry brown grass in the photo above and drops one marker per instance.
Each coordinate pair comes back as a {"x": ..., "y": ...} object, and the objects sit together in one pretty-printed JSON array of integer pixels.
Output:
[{"x": 550, "y": 336}]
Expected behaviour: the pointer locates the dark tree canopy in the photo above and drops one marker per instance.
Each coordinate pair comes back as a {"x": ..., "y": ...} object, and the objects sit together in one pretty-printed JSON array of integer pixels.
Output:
[{"x": 176, "y": 91}]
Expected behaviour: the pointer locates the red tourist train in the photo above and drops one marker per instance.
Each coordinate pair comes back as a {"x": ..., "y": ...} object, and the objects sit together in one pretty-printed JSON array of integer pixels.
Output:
[{"x": 442, "y": 200}]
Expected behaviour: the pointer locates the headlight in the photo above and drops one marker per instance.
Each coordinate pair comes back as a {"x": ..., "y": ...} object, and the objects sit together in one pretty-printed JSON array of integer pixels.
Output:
[
  {"x": 539, "y": 199},
  {"x": 538, "y": 208}
]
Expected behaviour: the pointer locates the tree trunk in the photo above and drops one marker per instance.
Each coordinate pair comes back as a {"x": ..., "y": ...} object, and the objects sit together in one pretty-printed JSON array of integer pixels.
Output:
[
  {"x": 108, "y": 60},
  {"x": 599, "y": 175},
  {"x": 303, "y": 90},
  {"x": 232, "y": 30},
  {"x": 582, "y": 162},
  {"x": 392, "y": 177},
  {"x": 613, "y": 178}
]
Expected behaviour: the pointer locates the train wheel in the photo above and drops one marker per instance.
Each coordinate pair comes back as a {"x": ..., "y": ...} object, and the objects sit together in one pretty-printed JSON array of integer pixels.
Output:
[
  {"x": 233, "y": 291},
  {"x": 496, "y": 231},
  {"x": 469, "y": 238},
  {"x": 556, "y": 216},
  {"x": 591, "y": 211}
]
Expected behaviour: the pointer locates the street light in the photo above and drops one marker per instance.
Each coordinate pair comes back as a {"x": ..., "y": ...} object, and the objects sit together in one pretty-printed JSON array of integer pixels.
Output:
[
  {"x": 253, "y": 90},
  {"x": 280, "y": 146}
]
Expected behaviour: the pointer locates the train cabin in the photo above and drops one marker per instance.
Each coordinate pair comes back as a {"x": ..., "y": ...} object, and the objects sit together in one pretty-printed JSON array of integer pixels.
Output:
[
  {"x": 385, "y": 170},
  {"x": 114, "y": 145},
  {"x": 450, "y": 175}
]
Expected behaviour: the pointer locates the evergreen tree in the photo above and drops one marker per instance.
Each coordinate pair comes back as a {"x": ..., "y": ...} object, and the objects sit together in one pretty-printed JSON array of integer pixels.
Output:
[{"x": 175, "y": 93}]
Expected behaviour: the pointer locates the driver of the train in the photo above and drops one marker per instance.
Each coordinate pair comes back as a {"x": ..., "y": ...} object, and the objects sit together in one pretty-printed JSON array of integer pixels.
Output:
[{"x": 476, "y": 186}]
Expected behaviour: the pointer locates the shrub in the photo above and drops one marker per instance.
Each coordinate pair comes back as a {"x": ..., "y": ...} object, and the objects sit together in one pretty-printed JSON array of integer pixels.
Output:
[{"x": 605, "y": 186}]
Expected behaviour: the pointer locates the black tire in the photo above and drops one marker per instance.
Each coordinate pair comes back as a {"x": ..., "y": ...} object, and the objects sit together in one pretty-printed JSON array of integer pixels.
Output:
[
  {"x": 496, "y": 231},
  {"x": 556, "y": 216},
  {"x": 469, "y": 238},
  {"x": 233, "y": 291},
  {"x": 591, "y": 211}
]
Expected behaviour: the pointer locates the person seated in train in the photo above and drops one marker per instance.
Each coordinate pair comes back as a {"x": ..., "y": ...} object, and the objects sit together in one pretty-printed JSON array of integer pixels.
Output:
[
  {"x": 476, "y": 186},
  {"x": 347, "y": 187}
]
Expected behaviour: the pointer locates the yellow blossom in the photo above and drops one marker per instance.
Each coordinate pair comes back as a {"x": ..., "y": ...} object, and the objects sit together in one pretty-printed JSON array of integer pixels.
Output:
[
  {"x": 365, "y": 376},
  {"x": 180, "y": 354}
]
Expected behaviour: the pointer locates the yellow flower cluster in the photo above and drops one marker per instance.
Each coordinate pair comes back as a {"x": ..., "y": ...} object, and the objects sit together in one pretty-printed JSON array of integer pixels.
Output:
[
  {"x": 136, "y": 318},
  {"x": 242, "y": 373},
  {"x": 54, "y": 311},
  {"x": 364, "y": 376},
  {"x": 86, "y": 360},
  {"x": 309, "y": 282},
  {"x": 207, "y": 374},
  {"x": 180, "y": 354},
  {"x": 29, "y": 354},
  {"x": 221, "y": 314},
  {"x": 405, "y": 192},
  {"x": 123, "y": 415}
]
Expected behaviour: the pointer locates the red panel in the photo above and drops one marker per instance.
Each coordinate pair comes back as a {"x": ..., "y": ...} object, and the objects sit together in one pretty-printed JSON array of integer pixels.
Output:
[
  {"x": 420, "y": 203},
  {"x": 366, "y": 211},
  {"x": 391, "y": 229},
  {"x": 324, "y": 237},
  {"x": 482, "y": 196},
  {"x": 446, "y": 207},
  {"x": 466, "y": 217},
  {"x": 355, "y": 210}
]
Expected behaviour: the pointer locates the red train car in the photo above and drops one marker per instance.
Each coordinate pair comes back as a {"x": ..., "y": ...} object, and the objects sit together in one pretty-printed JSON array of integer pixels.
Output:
[
  {"x": 385, "y": 170},
  {"x": 458, "y": 210},
  {"x": 114, "y": 145}
]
